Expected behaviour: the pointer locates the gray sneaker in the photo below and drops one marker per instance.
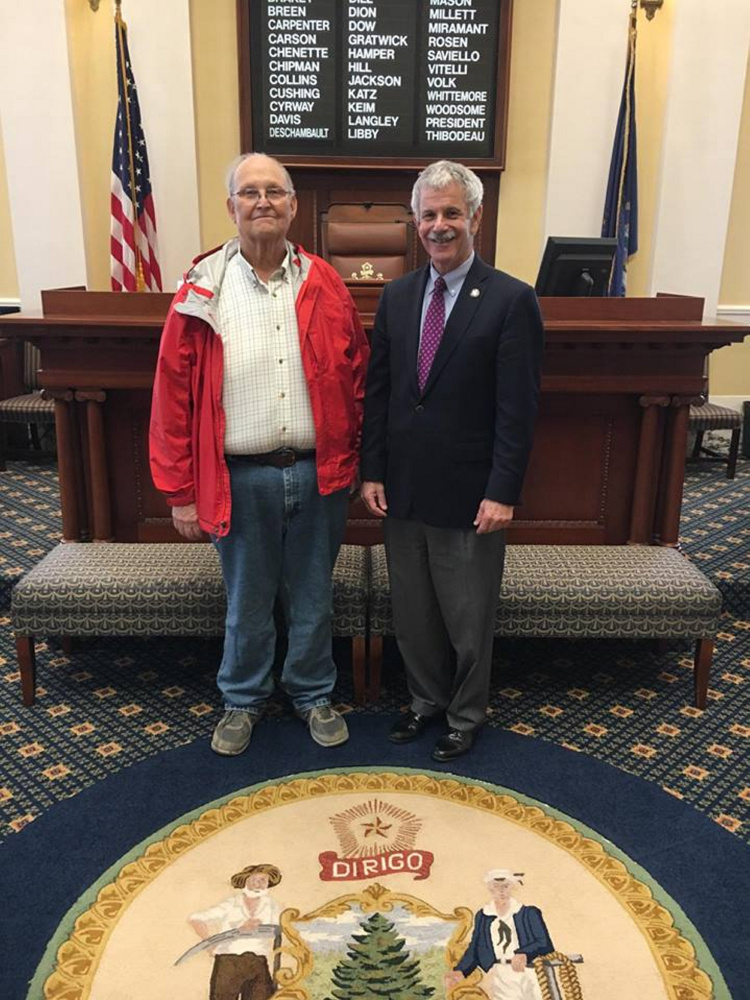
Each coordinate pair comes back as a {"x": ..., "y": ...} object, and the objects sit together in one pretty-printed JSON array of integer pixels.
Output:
[
  {"x": 327, "y": 726},
  {"x": 233, "y": 732}
]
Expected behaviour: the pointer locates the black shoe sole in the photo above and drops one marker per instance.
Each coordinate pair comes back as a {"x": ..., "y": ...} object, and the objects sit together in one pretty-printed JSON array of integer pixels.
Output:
[
  {"x": 444, "y": 756},
  {"x": 409, "y": 738},
  {"x": 441, "y": 759}
]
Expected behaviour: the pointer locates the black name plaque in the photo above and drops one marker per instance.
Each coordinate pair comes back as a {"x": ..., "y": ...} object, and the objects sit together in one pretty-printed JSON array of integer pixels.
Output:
[{"x": 376, "y": 80}]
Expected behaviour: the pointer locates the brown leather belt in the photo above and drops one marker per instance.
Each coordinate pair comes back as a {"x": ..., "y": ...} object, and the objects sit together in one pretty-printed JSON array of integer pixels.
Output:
[{"x": 280, "y": 459}]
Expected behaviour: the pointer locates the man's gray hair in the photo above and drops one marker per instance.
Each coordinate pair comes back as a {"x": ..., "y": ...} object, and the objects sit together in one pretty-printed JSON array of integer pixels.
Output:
[
  {"x": 443, "y": 173},
  {"x": 238, "y": 160}
]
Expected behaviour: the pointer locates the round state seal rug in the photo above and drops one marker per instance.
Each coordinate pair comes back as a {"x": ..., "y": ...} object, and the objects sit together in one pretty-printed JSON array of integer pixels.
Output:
[
  {"x": 523, "y": 870},
  {"x": 425, "y": 884}
]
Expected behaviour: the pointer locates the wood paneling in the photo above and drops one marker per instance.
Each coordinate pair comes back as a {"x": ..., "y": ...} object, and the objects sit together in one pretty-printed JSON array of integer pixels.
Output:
[{"x": 608, "y": 459}]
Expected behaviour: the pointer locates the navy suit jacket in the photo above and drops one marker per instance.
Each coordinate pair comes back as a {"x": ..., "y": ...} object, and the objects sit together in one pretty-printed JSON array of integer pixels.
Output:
[
  {"x": 468, "y": 435},
  {"x": 533, "y": 940}
]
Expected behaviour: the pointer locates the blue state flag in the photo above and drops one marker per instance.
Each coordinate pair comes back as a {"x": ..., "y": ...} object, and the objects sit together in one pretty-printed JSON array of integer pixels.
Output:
[{"x": 621, "y": 204}]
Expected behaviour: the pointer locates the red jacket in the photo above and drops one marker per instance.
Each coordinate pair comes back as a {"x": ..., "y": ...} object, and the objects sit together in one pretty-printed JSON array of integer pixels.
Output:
[{"x": 187, "y": 418}]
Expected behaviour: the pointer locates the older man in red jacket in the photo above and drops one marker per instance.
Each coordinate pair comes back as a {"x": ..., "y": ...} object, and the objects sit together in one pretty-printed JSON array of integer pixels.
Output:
[{"x": 255, "y": 428}]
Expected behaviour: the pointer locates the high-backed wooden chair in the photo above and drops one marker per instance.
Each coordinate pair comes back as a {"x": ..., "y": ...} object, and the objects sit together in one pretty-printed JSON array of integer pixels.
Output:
[
  {"x": 370, "y": 242},
  {"x": 710, "y": 417},
  {"x": 28, "y": 407}
]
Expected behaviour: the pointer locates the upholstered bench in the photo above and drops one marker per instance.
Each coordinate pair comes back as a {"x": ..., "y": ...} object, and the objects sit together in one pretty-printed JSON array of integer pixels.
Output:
[
  {"x": 585, "y": 591},
  {"x": 123, "y": 589}
]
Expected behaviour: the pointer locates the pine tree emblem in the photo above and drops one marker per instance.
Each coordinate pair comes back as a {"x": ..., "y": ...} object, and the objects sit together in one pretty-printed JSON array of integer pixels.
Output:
[{"x": 377, "y": 966}]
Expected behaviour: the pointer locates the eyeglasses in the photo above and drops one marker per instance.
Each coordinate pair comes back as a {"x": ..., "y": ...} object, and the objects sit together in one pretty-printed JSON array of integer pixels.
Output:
[{"x": 251, "y": 194}]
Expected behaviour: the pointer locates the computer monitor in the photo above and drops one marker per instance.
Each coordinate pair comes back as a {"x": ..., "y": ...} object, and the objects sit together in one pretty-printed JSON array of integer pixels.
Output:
[{"x": 574, "y": 265}]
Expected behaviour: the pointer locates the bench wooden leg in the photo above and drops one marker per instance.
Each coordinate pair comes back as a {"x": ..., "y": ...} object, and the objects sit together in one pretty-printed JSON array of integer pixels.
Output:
[
  {"x": 27, "y": 664},
  {"x": 376, "y": 666},
  {"x": 734, "y": 448},
  {"x": 698, "y": 444},
  {"x": 359, "y": 669},
  {"x": 65, "y": 642},
  {"x": 704, "y": 651}
]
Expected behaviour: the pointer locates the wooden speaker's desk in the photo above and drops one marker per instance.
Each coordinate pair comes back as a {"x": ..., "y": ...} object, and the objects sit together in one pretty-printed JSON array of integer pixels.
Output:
[{"x": 608, "y": 459}]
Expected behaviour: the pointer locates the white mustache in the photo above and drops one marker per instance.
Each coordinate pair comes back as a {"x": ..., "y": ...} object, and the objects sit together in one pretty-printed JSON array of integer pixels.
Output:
[{"x": 442, "y": 237}]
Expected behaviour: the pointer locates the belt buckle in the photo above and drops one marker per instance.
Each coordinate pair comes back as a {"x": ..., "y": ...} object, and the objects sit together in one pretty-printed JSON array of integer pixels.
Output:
[{"x": 287, "y": 457}]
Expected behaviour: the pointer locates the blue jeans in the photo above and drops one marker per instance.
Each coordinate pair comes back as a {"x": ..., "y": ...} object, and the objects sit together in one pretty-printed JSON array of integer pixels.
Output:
[{"x": 283, "y": 540}]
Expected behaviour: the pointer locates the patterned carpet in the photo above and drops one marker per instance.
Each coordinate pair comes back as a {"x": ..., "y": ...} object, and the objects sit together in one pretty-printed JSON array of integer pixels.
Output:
[{"x": 118, "y": 702}]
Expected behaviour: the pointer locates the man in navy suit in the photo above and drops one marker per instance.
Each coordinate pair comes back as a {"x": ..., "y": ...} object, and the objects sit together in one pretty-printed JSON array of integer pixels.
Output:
[{"x": 451, "y": 400}]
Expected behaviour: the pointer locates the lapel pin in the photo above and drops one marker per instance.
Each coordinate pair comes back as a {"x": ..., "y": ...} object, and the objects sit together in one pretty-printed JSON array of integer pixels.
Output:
[{"x": 474, "y": 293}]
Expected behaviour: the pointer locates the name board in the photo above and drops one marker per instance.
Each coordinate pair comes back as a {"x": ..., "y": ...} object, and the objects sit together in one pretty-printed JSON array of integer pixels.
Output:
[{"x": 398, "y": 80}]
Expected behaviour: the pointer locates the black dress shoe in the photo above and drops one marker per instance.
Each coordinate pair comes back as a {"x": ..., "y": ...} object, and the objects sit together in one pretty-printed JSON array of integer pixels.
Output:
[
  {"x": 455, "y": 743},
  {"x": 411, "y": 726}
]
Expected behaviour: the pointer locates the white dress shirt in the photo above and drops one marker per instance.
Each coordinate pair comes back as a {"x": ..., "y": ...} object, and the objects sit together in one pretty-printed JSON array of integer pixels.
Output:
[
  {"x": 454, "y": 281},
  {"x": 265, "y": 396}
]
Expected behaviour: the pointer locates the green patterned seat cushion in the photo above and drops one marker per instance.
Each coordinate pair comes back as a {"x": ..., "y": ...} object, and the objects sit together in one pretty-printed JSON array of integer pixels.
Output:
[
  {"x": 149, "y": 589},
  {"x": 709, "y": 417},
  {"x": 596, "y": 591},
  {"x": 30, "y": 408}
]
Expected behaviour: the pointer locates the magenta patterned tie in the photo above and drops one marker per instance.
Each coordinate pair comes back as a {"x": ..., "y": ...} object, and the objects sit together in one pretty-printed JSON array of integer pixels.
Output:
[{"x": 432, "y": 332}]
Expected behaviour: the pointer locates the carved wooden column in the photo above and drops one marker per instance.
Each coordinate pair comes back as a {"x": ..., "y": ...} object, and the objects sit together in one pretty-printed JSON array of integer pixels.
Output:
[
  {"x": 674, "y": 469},
  {"x": 100, "y": 502},
  {"x": 66, "y": 466},
  {"x": 644, "y": 488}
]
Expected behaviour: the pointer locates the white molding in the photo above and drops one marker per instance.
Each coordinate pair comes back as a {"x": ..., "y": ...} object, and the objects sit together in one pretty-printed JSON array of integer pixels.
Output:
[
  {"x": 8, "y": 303},
  {"x": 742, "y": 313},
  {"x": 733, "y": 402}
]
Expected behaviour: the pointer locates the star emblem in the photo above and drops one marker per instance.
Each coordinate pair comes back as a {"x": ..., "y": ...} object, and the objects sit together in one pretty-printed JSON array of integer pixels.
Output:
[{"x": 377, "y": 828}]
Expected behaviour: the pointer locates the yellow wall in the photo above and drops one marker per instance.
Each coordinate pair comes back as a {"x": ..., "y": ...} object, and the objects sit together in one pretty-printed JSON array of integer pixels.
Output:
[
  {"x": 730, "y": 367},
  {"x": 8, "y": 275},
  {"x": 91, "y": 48},
  {"x": 213, "y": 26},
  {"x": 523, "y": 185}
]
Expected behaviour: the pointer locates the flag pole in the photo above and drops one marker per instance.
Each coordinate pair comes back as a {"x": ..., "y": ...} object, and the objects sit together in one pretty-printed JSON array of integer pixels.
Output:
[
  {"x": 121, "y": 28},
  {"x": 621, "y": 168},
  {"x": 632, "y": 33}
]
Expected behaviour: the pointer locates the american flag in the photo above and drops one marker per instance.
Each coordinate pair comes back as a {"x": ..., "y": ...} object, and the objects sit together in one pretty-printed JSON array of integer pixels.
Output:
[{"x": 134, "y": 259}]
